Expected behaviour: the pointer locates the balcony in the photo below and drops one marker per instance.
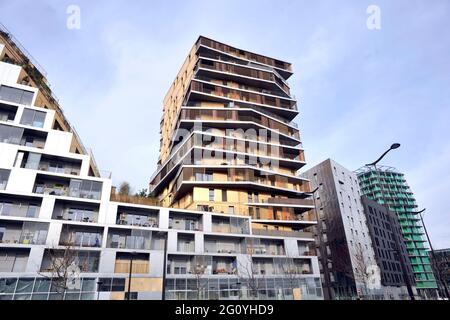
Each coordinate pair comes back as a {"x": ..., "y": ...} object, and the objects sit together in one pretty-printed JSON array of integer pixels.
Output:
[
  {"x": 81, "y": 236},
  {"x": 244, "y": 116},
  {"x": 265, "y": 246},
  {"x": 185, "y": 221},
  {"x": 42, "y": 162},
  {"x": 54, "y": 259},
  {"x": 56, "y": 186},
  {"x": 139, "y": 217},
  {"x": 282, "y": 214},
  {"x": 13, "y": 259},
  {"x": 75, "y": 211},
  {"x": 230, "y": 176},
  {"x": 22, "y": 136},
  {"x": 242, "y": 96},
  {"x": 284, "y": 266},
  {"x": 133, "y": 239},
  {"x": 185, "y": 243},
  {"x": 227, "y": 245},
  {"x": 222, "y": 224},
  {"x": 259, "y": 154},
  {"x": 241, "y": 54},
  {"x": 15, "y": 232},
  {"x": 14, "y": 206},
  {"x": 228, "y": 70},
  {"x": 201, "y": 265}
]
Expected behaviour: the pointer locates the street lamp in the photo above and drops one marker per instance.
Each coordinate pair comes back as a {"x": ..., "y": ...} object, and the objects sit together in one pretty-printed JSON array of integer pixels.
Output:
[
  {"x": 99, "y": 284},
  {"x": 443, "y": 284},
  {"x": 132, "y": 254},
  {"x": 400, "y": 256},
  {"x": 393, "y": 147},
  {"x": 164, "y": 279}
]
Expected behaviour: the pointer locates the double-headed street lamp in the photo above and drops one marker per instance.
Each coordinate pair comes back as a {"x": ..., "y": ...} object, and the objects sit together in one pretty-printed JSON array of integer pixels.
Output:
[{"x": 399, "y": 254}]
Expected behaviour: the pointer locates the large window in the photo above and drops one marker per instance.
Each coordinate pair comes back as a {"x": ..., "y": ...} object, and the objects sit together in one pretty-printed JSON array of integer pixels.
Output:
[
  {"x": 10, "y": 134},
  {"x": 4, "y": 176},
  {"x": 85, "y": 189},
  {"x": 33, "y": 118},
  {"x": 16, "y": 95},
  {"x": 13, "y": 260}
]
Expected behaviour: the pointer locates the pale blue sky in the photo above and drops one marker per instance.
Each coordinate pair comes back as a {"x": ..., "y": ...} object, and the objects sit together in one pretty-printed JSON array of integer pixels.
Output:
[{"x": 359, "y": 90}]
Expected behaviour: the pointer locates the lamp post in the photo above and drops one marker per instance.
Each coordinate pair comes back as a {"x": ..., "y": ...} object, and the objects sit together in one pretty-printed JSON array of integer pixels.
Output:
[
  {"x": 163, "y": 289},
  {"x": 99, "y": 284},
  {"x": 400, "y": 256},
  {"x": 443, "y": 284},
  {"x": 129, "y": 275}
]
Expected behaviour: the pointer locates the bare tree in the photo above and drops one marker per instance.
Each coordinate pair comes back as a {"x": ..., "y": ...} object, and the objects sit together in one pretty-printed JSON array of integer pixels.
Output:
[
  {"x": 124, "y": 189},
  {"x": 248, "y": 272},
  {"x": 440, "y": 266},
  {"x": 60, "y": 268},
  {"x": 143, "y": 193},
  {"x": 290, "y": 270},
  {"x": 198, "y": 270},
  {"x": 362, "y": 273}
]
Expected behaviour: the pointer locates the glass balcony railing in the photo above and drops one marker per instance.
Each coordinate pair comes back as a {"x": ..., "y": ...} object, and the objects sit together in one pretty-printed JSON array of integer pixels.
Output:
[
  {"x": 85, "y": 189},
  {"x": 19, "y": 209}
]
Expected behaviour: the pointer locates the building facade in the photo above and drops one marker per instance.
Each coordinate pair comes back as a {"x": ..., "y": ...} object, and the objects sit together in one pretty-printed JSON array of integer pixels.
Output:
[
  {"x": 385, "y": 232},
  {"x": 343, "y": 243},
  {"x": 228, "y": 143},
  {"x": 401, "y": 201},
  {"x": 65, "y": 234}
]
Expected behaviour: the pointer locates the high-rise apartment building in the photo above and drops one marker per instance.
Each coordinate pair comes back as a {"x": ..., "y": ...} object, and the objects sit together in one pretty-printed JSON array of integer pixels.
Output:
[
  {"x": 390, "y": 250},
  {"x": 399, "y": 198},
  {"x": 57, "y": 212},
  {"x": 344, "y": 247},
  {"x": 228, "y": 143}
]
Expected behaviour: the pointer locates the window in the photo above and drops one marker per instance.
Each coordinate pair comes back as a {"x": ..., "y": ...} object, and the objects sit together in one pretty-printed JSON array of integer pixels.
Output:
[
  {"x": 10, "y": 134},
  {"x": 224, "y": 195},
  {"x": 33, "y": 118},
  {"x": 211, "y": 194},
  {"x": 4, "y": 176},
  {"x": 16, "y": 95}
]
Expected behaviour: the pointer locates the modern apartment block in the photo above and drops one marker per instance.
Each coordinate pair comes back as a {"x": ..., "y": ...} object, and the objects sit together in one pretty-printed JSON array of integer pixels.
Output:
[
  {"x": 400, "y": 199},
  {"x": 388, "y": 245},
  {"x": 344, "y": 247},
  {"x": 228, "y": 143},
  {"x": 58, "y": 212}
]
